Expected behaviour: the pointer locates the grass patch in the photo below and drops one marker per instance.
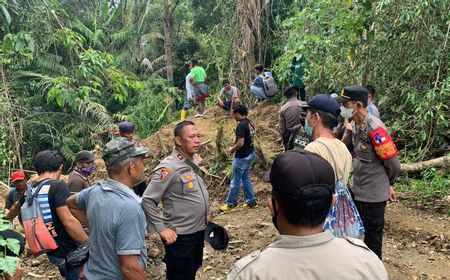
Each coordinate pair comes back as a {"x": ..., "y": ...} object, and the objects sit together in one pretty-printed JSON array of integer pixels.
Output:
[{"x": 430, "y": 190}]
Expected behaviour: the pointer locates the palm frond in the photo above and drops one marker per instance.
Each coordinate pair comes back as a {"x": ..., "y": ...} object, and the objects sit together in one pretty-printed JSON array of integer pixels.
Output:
[
  {"x": 50, "y": 63},
  {"x": 122, "y": 36},
  {"x": 95, "y": 112}
]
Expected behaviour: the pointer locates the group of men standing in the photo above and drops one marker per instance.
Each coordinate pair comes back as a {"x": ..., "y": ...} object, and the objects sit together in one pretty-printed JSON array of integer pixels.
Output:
[
  {"x": 373, "y": 172},
  {"x": 120, "y": 211}
]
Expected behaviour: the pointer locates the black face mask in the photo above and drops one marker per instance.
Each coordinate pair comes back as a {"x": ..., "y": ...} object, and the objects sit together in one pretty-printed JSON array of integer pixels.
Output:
[{"x": 275, "y": 214}]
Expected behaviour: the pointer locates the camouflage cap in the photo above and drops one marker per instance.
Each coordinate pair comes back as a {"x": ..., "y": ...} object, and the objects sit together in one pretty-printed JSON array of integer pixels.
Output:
[{"x": 121, "y": 149}]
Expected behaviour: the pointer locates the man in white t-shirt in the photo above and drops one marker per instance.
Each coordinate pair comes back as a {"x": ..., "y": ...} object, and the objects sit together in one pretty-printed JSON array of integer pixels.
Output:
[
  {"x": 228, "y": 96},
  {"x": 321, "y": 118}
]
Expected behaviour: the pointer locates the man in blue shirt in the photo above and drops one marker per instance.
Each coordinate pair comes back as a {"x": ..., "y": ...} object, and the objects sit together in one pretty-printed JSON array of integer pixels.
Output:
[{"x": 115, "y": 218}]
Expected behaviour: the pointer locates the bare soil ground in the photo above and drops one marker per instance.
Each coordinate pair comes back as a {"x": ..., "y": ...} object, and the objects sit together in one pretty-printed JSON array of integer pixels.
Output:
[{"x": 416, "y": 243}]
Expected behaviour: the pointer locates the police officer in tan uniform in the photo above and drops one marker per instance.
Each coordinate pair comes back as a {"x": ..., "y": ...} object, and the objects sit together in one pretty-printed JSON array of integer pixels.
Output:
[
  {"x": 300, "y": 203},
  {"x": 178, "y": 184},
  {"x": 375, "y": 167}
]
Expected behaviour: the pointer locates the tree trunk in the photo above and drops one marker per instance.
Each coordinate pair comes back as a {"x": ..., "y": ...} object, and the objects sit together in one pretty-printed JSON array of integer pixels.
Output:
[
  {"x": 9, "y": 115},
  {"x": 416, "y": 167},
  {"x": 249, "y": 15},
  {"x": 168, "y": 54}
]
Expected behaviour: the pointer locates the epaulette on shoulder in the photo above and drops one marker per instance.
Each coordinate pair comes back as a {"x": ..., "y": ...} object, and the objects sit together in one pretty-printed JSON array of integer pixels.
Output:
[
  {"x": 357, "y": 242},
  {"x": 164, "y": 163},
  {"x": 242, "y": 263}
]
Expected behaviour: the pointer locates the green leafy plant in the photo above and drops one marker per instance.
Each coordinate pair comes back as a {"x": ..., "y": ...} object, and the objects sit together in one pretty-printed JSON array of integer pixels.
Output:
[{"x": 8, "y": 264}]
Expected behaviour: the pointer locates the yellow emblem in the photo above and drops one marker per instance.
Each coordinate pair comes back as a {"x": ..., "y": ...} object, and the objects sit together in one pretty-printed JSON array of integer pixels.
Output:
[{"x": 191, "y": 185}]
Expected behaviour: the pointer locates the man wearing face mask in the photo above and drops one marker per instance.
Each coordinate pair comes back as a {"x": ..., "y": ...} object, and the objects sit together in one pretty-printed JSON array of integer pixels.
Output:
[
  {"x": 322, "y": 113},
  {"x": 84, "y": 168},
  {"x": 299, "y": 205},
  {"x": 375, "y": 167}
]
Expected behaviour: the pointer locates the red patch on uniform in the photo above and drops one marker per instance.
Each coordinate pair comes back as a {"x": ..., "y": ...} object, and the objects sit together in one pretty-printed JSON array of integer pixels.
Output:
[{"x": 164, "y": 173}]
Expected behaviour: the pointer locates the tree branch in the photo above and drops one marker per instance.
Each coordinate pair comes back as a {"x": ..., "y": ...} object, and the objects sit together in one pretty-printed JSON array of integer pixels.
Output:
[{"x": 174, "y": 7}]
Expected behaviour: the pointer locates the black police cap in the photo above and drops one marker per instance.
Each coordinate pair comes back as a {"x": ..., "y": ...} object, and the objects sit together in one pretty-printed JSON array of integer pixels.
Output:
[
  {"x": 216, "y": 236},
  {"x": 355, "y": 93}
]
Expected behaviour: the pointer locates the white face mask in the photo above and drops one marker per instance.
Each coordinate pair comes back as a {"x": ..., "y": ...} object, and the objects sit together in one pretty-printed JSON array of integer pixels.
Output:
[{"x": 346, "y": 113}]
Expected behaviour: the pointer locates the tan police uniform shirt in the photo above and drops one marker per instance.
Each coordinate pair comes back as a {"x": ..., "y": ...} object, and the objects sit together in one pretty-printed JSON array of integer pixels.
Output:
[
  {"x": 372, "y": 177},
  {"x": 177, "y": 183},
  {"x": 319, "y": 256},
  {"x": 289, "y": 115},
  {"x": 337, "y": 155}
]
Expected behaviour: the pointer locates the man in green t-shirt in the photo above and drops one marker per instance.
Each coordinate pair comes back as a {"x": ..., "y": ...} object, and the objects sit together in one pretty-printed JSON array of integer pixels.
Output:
[{"x": 200, "y": 89}]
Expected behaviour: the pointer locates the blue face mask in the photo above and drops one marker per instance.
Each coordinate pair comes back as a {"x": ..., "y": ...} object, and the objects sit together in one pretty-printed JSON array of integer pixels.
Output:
[{"x": 308, "y": 129}]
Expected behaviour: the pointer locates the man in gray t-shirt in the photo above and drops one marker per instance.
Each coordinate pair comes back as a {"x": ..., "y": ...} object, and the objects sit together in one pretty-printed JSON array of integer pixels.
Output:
[
  {"x": 228, "y": 96},
  {"x": 115, "y": 218}
]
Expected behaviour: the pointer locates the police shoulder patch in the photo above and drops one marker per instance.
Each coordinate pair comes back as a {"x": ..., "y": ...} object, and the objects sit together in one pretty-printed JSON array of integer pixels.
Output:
[{"x": 164, "y": 173}]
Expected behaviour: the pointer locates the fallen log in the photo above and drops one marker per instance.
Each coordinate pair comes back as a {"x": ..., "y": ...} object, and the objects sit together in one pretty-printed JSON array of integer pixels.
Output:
[{"x": 419, "y": 166}]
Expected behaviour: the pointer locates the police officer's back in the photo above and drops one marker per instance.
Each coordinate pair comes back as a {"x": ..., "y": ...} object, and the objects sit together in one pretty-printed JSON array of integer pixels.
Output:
[{"x": 299, "y": 206}]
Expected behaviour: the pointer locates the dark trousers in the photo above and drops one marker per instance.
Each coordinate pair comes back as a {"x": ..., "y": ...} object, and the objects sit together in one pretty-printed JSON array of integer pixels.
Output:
[
  {"x": 372, "y": 215},
  {"x": 185, "y": 256},
  {"x": 289, "y": 138}
]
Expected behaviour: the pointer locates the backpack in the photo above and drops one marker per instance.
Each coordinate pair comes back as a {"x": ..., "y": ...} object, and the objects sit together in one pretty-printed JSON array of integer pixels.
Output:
[
  {"x": 270, "y": 86},
  {"x": 35, "y": 216}
]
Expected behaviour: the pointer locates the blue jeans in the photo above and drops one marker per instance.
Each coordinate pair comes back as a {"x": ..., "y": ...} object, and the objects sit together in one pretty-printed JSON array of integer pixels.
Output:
[
  {"x": 226, "y": 105},
  {"x": 259, "y": 92},
  {"x": 241, "y": 175},
  {"x": 70, "y": 274}
]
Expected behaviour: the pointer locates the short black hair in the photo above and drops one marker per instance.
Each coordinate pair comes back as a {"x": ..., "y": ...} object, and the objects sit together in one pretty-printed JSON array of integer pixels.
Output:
[
  {"x": 241, "y": 109},
  {"x": 328, "y": 120},
  {"x": 290, "y": 91},
  {"x": 224, "y": 82},
  {"x": 194, "y": 61},
  {"x": 371, "y": 90},
  {"x": 178, "y": 130},
  {"x": 307, "y": 210},
  {"x": 259, "y": 67},
  {"x": 47, "y": 161}
]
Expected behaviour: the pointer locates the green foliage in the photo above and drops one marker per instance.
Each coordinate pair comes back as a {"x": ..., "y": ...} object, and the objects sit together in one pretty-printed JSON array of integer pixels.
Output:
[
  {"x": 8, "y": 264},
  {"x": 16, "y": 49},
  {"x": 6, "y": 153},
  {"x": 429, "y": 190},
  {"x": 401, "y": 47},
  {"x": 153, "y": 107}
]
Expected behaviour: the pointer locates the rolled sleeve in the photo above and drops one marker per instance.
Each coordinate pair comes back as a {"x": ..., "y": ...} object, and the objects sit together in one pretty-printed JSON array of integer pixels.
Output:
[
  {"x": 151, "y": 198},
  {"x": 126, "y": 243}
]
